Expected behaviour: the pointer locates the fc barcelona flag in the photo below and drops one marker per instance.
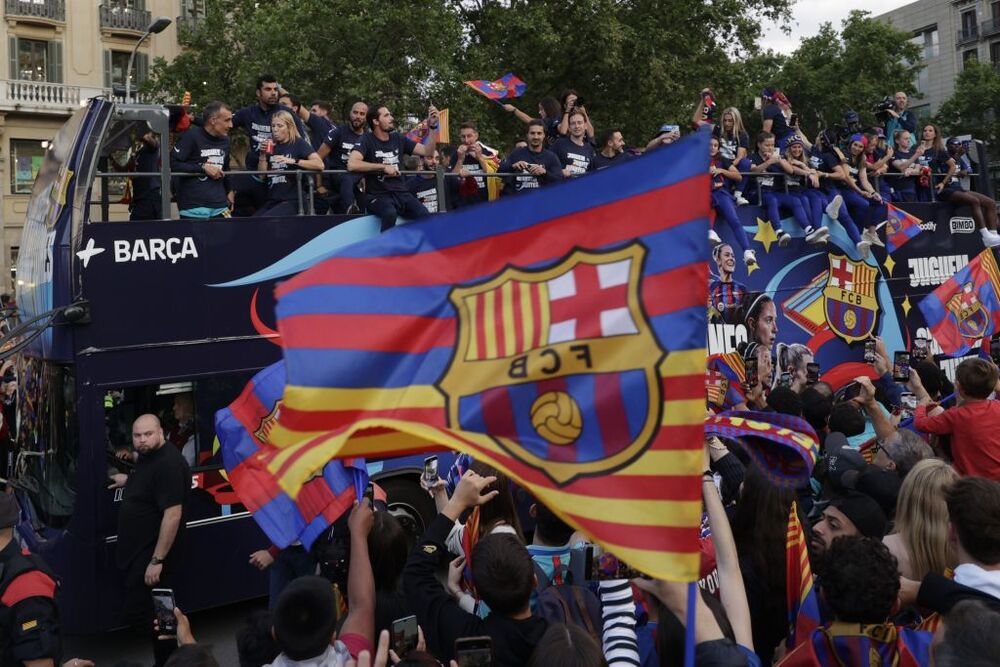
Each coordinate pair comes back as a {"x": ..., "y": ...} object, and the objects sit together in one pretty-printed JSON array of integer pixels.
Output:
[
  {"x": 900, "y": 228},
  {"x": 422, "y": 132},
  {"x": 966, "y": 308},
  {"x": 557, "y": 336},
  {"x": 509, "y": 85},
  {"x": 803, "y": 605},
  {"x": 244, "y": 428}
]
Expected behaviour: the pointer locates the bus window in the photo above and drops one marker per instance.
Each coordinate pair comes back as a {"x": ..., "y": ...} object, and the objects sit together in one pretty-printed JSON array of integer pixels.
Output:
[
  {"x": 186, "y": 411},
  {"x": 44, "y": 458}
]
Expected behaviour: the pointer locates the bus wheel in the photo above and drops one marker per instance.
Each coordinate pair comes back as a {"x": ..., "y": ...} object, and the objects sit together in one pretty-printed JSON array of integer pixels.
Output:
[{"x": 410, "y": 504}]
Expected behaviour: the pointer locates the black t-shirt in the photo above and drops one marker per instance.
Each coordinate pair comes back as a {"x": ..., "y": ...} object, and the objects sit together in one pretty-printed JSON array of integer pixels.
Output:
[
  {"x": 779, "y": 125},
  {"x": 161, "y": 479},
  {"x": 472, "y": 166},
  {"x": 729, "y": 146},
  {"x": 391, "y": 152},
  {"x": 147, "y": 160},
  {"x": 424, "y": 189},
  {"x": 769, "y": 180},
  {"x": 899, "y": 182},
  {"x": 578, "y": 159},
  {"x": 525, "y": 181},
  {"x": 601, "y": 161},
  {"x": 256, "y": 122},
  {"x": 195, "y": 148},
  {"x": 319, "y": 129},
  {"x": 282, "y": 186},
  {"x": 720, "y": 182},
  {"x": 341, "y": 140}
]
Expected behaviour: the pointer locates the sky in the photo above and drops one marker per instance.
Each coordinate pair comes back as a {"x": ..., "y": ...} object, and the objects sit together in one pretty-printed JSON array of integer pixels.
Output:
[{"x": 807, "y": 15}]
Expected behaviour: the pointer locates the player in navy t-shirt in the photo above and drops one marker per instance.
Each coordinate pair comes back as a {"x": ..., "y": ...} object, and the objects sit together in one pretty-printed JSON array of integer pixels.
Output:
[
  {"x": 776, "y": 114},
  {"x": 535, "y": 164},
  {"x": 612, "y": 152},
  {"x": 470, "y": 160},
  {"x": 724, "y": 174},
  {"x": 288, "y": 152},
  {"x": 378, "y": 157},
  {"x": 340, "y": 189},
  {"x": 575, "y": 152},
  {"x": 949, "y": 189}
]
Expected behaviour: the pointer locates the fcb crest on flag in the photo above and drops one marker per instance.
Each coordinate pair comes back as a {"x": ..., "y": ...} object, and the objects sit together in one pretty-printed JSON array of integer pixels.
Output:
[
  {"x": 849, "y": 298},
  {"x": 544, "y": 359},
  {"x": 968, "y": 310}
]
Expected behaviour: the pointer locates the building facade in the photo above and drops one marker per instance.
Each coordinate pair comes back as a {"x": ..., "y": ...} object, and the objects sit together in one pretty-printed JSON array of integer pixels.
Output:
[
  {"x": 950, "y": 33},
  {"x": 59, "y": 54}
]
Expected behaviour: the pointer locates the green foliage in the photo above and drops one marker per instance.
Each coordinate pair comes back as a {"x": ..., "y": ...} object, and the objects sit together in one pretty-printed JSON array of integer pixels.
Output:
[
  {"x": 972, "y": 108},
  {"x": 636, "y": 63},
  {"x": 830, "y": 73}
]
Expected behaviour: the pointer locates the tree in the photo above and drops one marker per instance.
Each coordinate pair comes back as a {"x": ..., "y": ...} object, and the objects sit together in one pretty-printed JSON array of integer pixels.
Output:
[
  {"x": 832, "y": 73},
  {"x": 972, "y": 108}
]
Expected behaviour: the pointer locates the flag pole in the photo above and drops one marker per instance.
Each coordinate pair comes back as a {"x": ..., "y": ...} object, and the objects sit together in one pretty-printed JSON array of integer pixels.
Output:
[{"x": 689, "y": 626}]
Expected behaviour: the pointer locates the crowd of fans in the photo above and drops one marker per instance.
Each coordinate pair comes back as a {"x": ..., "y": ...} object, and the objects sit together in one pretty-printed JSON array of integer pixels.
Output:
[{"x": 902, "y": 514}]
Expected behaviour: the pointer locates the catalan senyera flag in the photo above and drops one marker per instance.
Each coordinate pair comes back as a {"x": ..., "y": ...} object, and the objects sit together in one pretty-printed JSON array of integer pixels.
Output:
[
  {"x": 900, "y": 227},
  {"x": 243, "y": 429},
  {"x": 558, "y": 336},
  {"x": 803, "y": 606},
  {"x": 509, "y": 85},
  {"x": 966, "y": 308},
  {"x": 422, "y": 132}
]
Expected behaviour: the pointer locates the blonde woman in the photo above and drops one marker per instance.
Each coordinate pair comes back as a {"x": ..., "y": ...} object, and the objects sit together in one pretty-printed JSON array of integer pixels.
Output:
[
  {"x": 920, "y": 540},
  {"x": 734, "y": 145},
  {"x": 286, "y": 151}
]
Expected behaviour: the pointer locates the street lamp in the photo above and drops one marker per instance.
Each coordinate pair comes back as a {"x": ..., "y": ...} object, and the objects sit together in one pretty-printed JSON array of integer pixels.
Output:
[{"x": 156, "y": 27}]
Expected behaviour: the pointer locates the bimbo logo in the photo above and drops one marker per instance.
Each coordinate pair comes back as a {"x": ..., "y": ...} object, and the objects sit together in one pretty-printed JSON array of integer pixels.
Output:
[{"x": 962, "y": 225}]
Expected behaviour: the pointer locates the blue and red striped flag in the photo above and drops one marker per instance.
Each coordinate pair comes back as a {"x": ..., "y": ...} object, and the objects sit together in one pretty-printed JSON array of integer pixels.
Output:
[
  {"x": 966, "y": 308},
  {"x": 857, "y": 645},
  {"x": 803, "y": 606},
  {"x": 785, "y": 448},
  {"x": 900, "y": 227},
  {"x": 509, "y": 85},
  {"x": 422, "y": 132},
  {"x": 724, "y": 380},
  {"x": 557, "y": 336},
  {"x": 243, "y": 429}
]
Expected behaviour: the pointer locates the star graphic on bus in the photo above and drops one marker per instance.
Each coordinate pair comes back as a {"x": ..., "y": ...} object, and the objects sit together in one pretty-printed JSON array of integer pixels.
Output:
[{"x": 89, "y": 252}]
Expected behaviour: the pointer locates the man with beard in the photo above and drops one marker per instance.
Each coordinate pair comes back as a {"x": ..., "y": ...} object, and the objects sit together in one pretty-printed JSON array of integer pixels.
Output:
[
  {"x": 379, "y": 156},
  {"x": 575, "y": 152},
  {"x": 612, "y": 150},
  {"x": 147, "y": 203},
  {"x": 255, "y": 120},
  {"x": 470, "y": 160},
  {"x": 538, "y": 165},
  {"x": 339, "y": 189},
  {"x": 849, "y": 514}
]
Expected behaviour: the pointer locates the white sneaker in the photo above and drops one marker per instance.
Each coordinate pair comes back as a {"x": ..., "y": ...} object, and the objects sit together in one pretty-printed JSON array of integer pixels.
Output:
[
  {"x": 833, "y": 208},
  {"x": 740, "y": 199},
  {"x": 749, "y": 258},
  {"x": 990, "y": 238},
  {"x": 817, "y": 236},
  {"x": 713, "y": 237},
  {"x": 871, "y": 236},
  {"x": 784, "y": 238},
  {"x": 864, "y": 248}
]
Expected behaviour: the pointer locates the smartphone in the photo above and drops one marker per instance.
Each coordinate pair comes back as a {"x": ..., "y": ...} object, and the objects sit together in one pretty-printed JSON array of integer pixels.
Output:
[
  {"x": 600, "y": 565},
  {"x": 370, "y": 494},
  {"x": 919, "y": 351},
  {"x": 847, "y": 392},
  {"x": 474, "y": 652},
  {"x": 163, "y": 610},
  {"x": 908, "y": 401},
  {"x": 870, "y": 351},
  {"x": 404, "y": 635},
  {"x": 812, "y": 373},
  {"x": 430, "y": 469},
  {"x": 794, "y": 120},
  {"x": 901, "y": 367},
  {"x": 785, "y": 379},
  {"x": 751, "y": 373}
]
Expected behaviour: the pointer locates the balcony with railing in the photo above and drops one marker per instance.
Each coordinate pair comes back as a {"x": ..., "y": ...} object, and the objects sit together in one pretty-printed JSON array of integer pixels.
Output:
[
  {"x": 187, "y": 27},
  {"x": 990, "y": 28},
  {"x": 117, "y": 17},
  {"x": 47, "y": 11},
  {"x": 967, "y": 35},
  {"x": 44, "y": 97}
]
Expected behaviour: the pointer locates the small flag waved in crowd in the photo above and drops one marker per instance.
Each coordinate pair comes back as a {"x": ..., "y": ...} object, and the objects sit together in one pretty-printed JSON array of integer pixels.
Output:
[
  {"x": 966, "y": 308},
  {"x": 785, "y": 448},
  {"x": 243, "y": 429},
  {"x": 900, "y": 228},
  {"x": 803, "y": 606},
  {"x": 557, "y": 336},
  {"x": 503, "y": 88},
  {"x": 422, "y": 132}
]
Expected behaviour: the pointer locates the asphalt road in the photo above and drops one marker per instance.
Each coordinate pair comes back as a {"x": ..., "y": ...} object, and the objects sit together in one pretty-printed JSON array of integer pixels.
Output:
[{"x": 216, "y": 627}]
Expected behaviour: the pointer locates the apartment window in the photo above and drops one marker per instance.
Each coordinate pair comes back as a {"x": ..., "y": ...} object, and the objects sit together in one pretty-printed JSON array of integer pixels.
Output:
[
  {"x": 971, "y": 54},
  {"x": 14, "y": 250},
  {"x": 927, "y": 39},
  {"x": 116, "y": 66},
  {"x": 922, "y": 81},
  {"x": 193, "y": 9},
  {"x": 969, "y": 23},
  {"x": 26, "y": 157},
  {"x": 126, "y": 4},
  {"x": 35, "y": 59},
  {"x": 995, "y": 54}
]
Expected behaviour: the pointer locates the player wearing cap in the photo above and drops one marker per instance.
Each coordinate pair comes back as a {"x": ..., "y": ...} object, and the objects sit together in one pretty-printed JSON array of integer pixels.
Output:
[
  {"x": 29, "y": 625},
  {"x": 984, "y": 209},
  {"x": 851, "y": 513}
]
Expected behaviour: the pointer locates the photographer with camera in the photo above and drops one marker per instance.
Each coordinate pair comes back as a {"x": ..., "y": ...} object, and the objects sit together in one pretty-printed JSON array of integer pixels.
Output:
[
  {"x": 897, "y": 117},
  {"x": 572, "y": 104}
]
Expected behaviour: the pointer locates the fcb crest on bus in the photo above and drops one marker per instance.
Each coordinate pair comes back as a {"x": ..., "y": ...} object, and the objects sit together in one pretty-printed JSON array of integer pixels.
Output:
[
  {"x": 850, "y": 304},
  {"x": 558, "y": 364},
  {"x": 968, "y": 310}
]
